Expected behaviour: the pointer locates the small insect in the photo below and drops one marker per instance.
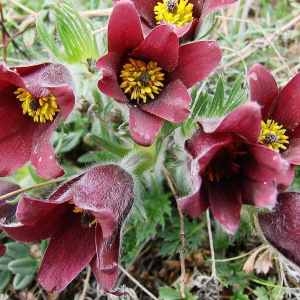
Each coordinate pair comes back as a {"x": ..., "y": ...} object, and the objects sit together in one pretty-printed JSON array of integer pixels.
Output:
[
  {"x": 172, "y": 5},
  {"x": 145, "y": 78},
  {"x": 34, "y": 105},
  {"x": 270, "y": 138}
]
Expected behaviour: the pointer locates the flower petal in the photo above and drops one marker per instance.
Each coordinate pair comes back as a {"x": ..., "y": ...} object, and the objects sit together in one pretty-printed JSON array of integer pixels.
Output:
[
  {"x": 2, "y": 249},
  {"x": 292, "y": 154},
  {"x": 172, "y": 104},
  {"x": 108, "y": 84},
  {"x": 66, "y": 255},
  {"x": 9, "y": 78},
  {"x": 124, "y": 28},
  {"x": 287, "y": 110},
  {"x": 143, "y": 127},
  {"x": 146, "y": 10},
  {"x": 105, "y": 188},
  {"x": 162, "y": 46},
  {"x": 282, "y": 228},
  {"x": 43, "y": 156},
  {"x": 263, "y": 88},
  {"x": 267, "y": 165},
  {"x": 225, "y": 204},
  {"x": 105, "y": 264},
  {"x": 196, "y": 61},
  {"x": 260, "y": 194},
  {"x": 244, "y": 121}
]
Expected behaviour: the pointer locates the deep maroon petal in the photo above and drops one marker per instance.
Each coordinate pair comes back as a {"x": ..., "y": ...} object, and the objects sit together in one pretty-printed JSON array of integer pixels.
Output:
[
  {"x": 42, "y": 155},
  {"x": 105, "y": 264},
  {"x": 282, "y": 226},
  {"x": 292, "y": 154},
  {"x": 161, "y": 46},
  {"x": 205, "y": 147},
  {"x": 287, "y": 110},
  {"x": 146, "y": 10},
  {"x": 2, "y": 249},
  {"x": 31, "y": 211},
  {"x": 105, "y": 188},
  {"x": 9, "y": 78},
  {"x": 143, "y": 127},
  {"x": 108, "y": 84},
  {"x": 225, "y": 204},
  {"x": 196, "y": 61},
  {"x": 267, "y": 165},
  {"x": 172, "y": 104},
  {"x": 124, "y": 28},
  {"x": 39, "y": 231},
  {"x": 244, "y": 121},
  {"x": 260, "y": 194},
  {"x": 263, "y": 88},
  {"x": 212, "y": 5},
  {"x": 69, "y": 251}
]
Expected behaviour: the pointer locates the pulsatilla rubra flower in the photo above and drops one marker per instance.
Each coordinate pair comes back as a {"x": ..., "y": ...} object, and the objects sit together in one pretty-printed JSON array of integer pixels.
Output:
[
  {"x": 83, "y": 219},
  {"x": 280, "y": 128},
  {"x": 183, "y": 15},
  {"x": 33, "y": 100},
  {"x": 281, "y": 227},
  {"x": 6, "y": 210},
  {"x": 151, "y": 75},
  {"x": 230, "y": 168}
]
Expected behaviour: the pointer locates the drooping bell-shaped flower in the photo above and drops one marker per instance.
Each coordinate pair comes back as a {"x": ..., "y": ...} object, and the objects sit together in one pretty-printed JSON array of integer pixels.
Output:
[
  {"x": 83, "y": 220},
  {"x": 33, "y": 101},
  {"x": 231, "y": 168}
]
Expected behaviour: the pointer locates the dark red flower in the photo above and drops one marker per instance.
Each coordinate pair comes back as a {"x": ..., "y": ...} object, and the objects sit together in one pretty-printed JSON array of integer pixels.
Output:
[
  {"x": 184, "y": 16},
  {"x": 151, "y": 75},
  {"x": 230, "y": 168},
  {"x": 83, "y": 219},
  {"x": 34, "y": 99},
  {"x": 281, "y": 227},
  {"x": 281, "y": 112},
  {"x": 6, "y": 210}
]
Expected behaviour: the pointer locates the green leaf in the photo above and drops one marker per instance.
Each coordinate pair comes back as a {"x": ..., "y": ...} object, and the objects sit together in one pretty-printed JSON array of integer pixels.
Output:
[
  {"x": 97, "y": 156},
  {"x": 167, "y": 293},
  {"x": 16, "y": 250},
  {"x": 73, "y": 33},
  {"x": 22, "y": 281},
  {"x": 24, "y": 266},
  {"x": 4, "y": 261},
  {"x": 70, "y": 141},
  {"x": 5, "y": 277}
]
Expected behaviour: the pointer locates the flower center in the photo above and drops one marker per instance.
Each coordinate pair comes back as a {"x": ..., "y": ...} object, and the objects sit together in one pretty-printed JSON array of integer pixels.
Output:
[
  {"x": 40, "y": 110},
  {"x": 86, "y": 219},
  {"x": 141, "y": 81},
  {"x": 176, "y": 12},
  {"x": 273, "y": 135}
]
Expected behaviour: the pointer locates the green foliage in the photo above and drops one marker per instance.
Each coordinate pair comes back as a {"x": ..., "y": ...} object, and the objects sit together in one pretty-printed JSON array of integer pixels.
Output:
[
  {"x": 223, "y": 101},
  {"x": 75, "y": 34},
  {"x": 17, "y": 263},
  {"x": 168, "y": 293}
]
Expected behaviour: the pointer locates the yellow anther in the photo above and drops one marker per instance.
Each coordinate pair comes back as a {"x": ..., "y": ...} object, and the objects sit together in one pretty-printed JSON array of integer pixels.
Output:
[
  {"x": 40, "y": 110},
  {"x": 176, "y": 12},
  {"x": 141, "y": 81},
  {"x": 273, "y": 135}
]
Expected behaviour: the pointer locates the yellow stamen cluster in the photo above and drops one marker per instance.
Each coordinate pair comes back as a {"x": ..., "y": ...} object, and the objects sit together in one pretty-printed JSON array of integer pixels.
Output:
[
  {"x": 176, "y": 12},
  {"x": 141, "y": 81},
  {"x": 41, "y": 110},
  {"x": 273, "y": 135}
]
